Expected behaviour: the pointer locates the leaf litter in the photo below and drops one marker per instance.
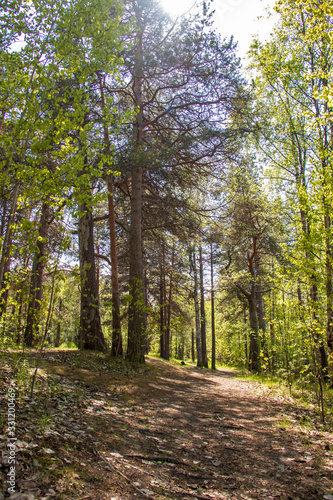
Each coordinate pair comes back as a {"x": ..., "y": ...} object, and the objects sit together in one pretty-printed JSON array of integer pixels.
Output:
[{"x": 163, "y": 432}]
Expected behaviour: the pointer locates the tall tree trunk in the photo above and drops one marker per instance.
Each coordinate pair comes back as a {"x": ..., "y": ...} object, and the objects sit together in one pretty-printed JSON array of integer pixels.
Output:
[
  {"x": 19, "y": 316},
  {"x": 202, "y": 315},
  {"x": 5, "y": 251},
  {"x": 329, "y": 272},
  {"x": 58, "y": 332},
  {"x": 329, "y": 292},
  {"x": 246, "y": 353},
  {"x": 117, "y": 343},
  {"x": 97, "y": 269},
  {"x": 260, "y": 309},
  {"x": 192, "y": 345},
  {"x": 325, "y": 147},
  {"x": 145, "y": 304},
  {"x": 254, "y": 353},
  {"x": 162, "y": 309},
  {"x": 197, "y": 312},
  {"x": 4, "y": 289},
  {"x": 272, "y": 331},
  {"x": 6, "y": 269},
  {"x": 168, "y": 322},
  {"x": 212, "y": 308},
  {"x": 321, "y": 354},
  {"x": 90, "y": 334},
  {"x": 254, "y": 361},
  {"x": 261, "y": 316},
  {"x": 4, "y": 204},
  {"x": 136, "y": 332},
  {"x": 36, "y": 290}
]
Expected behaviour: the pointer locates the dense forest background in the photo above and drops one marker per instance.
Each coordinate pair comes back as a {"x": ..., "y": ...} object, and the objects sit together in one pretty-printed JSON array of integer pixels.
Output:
[{"x": 157, "y": 197}]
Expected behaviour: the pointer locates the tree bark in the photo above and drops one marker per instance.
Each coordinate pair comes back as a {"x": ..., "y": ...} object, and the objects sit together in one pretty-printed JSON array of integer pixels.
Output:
[
  {"x": 4, "y": 203},
  {"x": 246, "y": 353},
  {"x": 58, "y": 332},
  {"x": 329, "y": 292},
  {"x": 117, "y": 343},
  {"x": 97, "y": 269},
  {"x": 90, "y": 334},
  {"x": 254, "y": 360},
  {"x": 5, "y": 251},
  {"x": 197, "y": 312},
  {"x": 36, "y": 291},
  {"x": 261, "y": 312},
  {"x": 254, "y": 354},
  {"x": 212, "y": 309},
  {"x": 272, "y": 329},
  {"x": 321, "y": 354},
  {"x": 192, "y": 345},
  {"x": 162, "y": 309},
  {"x": 136, "y": 332},
  {"x": 19, "y": 317},
  {"x": 168, "y": 318},
  {"x": 301, "y": 184},
  {"x": 202, "y": 314}
]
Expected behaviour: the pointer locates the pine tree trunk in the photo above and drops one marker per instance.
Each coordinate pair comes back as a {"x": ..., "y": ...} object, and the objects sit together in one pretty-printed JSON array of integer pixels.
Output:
[
  {"x": 5, "y": 251},
  {"x": 168, "y": 322},
  {"x": 58, "y": 332},
  {"x": 5, "y": 288},
  {"x": 261, "y": 317},
  {"x": 162, "y": 308},
  {"x": 202, "y": 315},
  {"x": 197, "y": 313},
  {"x": 321, "y": 355},
  {"x": 329, "y": 293},
  {"x": 254, "y": 353},
  {"x": 97, "y": 269},
  {"x": 254, "y": 364},
  {"x": 19, "y": 317},
  {"x": 117, "y": 343},
  {"x": 272, "y": 331},
  {"x": 136, "y": 332},
  {"x": 246, "y": 353},
  {"x": 260, "y": 309},
  {"x": 4, "y": 203},
  {"x": 213, "y": 309},
  {"x": 90, "y": 334},
  {"x": 36, "y": 290},
  {"x": 192, "y": 345}
]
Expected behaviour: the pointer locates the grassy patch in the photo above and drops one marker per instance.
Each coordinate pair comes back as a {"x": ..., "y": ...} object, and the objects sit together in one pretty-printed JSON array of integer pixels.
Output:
[{"x": 298, "y": 394}]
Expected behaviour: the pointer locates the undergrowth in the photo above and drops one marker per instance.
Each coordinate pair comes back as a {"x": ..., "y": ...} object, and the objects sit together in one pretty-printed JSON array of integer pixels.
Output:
[{"x": 299, "y": 392}]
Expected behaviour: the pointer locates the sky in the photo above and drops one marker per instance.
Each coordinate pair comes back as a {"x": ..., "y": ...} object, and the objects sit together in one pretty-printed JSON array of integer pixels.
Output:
[{"x": 234, "y": 17}]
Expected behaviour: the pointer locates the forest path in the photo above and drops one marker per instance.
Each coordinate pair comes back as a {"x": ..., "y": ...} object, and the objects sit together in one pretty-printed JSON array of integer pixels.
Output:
[
  {"x": 193, "y": 433},
  {"x": 164, "y": 431}
]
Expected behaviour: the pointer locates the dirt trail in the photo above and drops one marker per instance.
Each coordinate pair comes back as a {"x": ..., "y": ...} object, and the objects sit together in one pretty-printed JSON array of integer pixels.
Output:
[
  {"x": 190, "y": 433},
  {"x": 168, "y": 432}
]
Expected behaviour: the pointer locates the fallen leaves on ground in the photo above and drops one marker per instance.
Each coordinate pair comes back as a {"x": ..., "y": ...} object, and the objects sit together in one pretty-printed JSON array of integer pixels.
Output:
[{"x": 163, "y": 432}]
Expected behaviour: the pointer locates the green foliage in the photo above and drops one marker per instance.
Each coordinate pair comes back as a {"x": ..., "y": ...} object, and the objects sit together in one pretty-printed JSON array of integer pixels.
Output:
[{"x": 68, "y": 345}]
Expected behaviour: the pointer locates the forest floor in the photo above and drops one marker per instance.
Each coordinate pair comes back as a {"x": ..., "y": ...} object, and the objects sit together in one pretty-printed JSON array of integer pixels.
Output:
[{"x": 163, "y": 431}]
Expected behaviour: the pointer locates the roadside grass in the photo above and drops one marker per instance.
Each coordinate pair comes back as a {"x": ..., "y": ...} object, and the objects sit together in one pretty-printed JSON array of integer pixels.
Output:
[{"x": 302, "y": 393}]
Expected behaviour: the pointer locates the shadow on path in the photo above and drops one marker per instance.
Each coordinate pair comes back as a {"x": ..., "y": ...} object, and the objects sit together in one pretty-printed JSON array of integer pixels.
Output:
[{"x": 219, "y": 439}]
